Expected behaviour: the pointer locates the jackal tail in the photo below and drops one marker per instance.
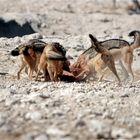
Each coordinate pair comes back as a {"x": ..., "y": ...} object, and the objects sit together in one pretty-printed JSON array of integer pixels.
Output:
[
  {"x": 136, "y": 42},
  {"x": 36, "y": 44},
  {"x": 15, "y": 52},
  {"x": 55, "y": 56},
  {"x": 96, "y": 44}
]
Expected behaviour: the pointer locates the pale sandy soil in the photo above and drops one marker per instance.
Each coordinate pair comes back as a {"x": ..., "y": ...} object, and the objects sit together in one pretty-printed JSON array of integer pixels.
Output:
[{"x": 32, "y": 110}]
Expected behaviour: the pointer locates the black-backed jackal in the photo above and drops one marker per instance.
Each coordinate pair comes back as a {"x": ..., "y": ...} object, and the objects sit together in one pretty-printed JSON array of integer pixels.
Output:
[
  {"x": 53, "y": 60},
  {"x": 121, "y": 50},
  {"x": 90, "y": 53},
  {"x": 125, "y": 55},
  {"x": 29, "y": 54},
  {"x": 102, "y": 60}
]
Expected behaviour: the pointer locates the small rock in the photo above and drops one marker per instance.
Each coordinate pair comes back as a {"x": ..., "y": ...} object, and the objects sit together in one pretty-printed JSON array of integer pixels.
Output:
[
  {"x": 121, "y": 132},
  {"x": 100, "y": 128},
  {"x": 80, "y": 123},
  {"x": 125, "y": 93},
  {"x": 29, "y": 136},
  {"x": 41, "y": 137},
  {"x": 43, "y": 86},
  {"x": 105, "y": 20},
  {"x": 43, "y": 25},
  {"x": 43, "y": 96},
  {"x": 107, "y": 115},
  {"x": 12, "y": 91},
  {"x": 33, "y": 36},
  {"x": 55, "y": 132},
  {"x": 36, "y": 36},
  {"x": 4, "y": 92},
  {"x": 6, "y": 128},
  {"x": 2, "y": 120},
  {"x": 35, "y": 116},
  {"x": 10, "y": 102}
]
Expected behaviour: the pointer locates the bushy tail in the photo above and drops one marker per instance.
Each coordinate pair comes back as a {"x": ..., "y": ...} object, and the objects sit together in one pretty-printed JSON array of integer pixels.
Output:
[
  {"x": 136, "y": 42},
  {"x": 55, "y": 56},
  {"x": 15, "y": 52},
  {"x": 96, "y": 45},
  {"x": 133, "y": 33},
  {"x": 36, "y": 44},
  {"x": 93, "y": 38}
]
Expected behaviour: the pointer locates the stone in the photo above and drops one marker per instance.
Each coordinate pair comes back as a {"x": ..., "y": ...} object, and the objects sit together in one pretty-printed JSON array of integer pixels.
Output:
[
  {"x": 41, "y": 137},
  {"x": 100, "y": 129},
  {"x": 121, "y": 133},
  {"x": 2, "y": 119},
  {"x": 34, "y": 116},
  {"x": 52, "y": 131}
]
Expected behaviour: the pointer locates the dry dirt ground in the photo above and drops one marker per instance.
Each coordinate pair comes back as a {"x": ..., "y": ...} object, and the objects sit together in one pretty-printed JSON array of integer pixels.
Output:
[{"x": 31, "y": 110}]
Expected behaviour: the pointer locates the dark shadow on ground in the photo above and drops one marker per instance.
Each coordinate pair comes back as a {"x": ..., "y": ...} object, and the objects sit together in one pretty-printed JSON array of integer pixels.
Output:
[{"x": 12, "y": 28}]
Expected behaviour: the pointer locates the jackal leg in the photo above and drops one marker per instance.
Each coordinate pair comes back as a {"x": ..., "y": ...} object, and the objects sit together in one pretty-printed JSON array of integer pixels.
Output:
[
  {"x": 21, "y": 68},
  {"x": 55, "y": 76},
  {"x": 112, "y": 67},
  {"x": 51, "y": 73},
  {"x": 128, "y": 59},
  {"x": 30, "y": 73},
  {"x": 101, "y": 74},
  {"x": 46, "y": 74},
  {"x": 129, "y": 69},
  {"x": 38, "y": 71},
  {"x": 126, "y": 75}
]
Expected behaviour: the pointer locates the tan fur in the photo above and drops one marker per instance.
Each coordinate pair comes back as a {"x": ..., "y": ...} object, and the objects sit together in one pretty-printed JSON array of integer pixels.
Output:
[
  {"x": 54, "y": 67},
  {"x": 99, "y": 63},
  {"x": 29, "y": 61},
  {"x": 29, "y": 54},
  {"x": 125, "y": 57}
]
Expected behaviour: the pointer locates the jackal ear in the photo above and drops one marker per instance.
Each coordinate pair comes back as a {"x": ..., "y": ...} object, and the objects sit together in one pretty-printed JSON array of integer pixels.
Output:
[{"x": 93, "y": 39}]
